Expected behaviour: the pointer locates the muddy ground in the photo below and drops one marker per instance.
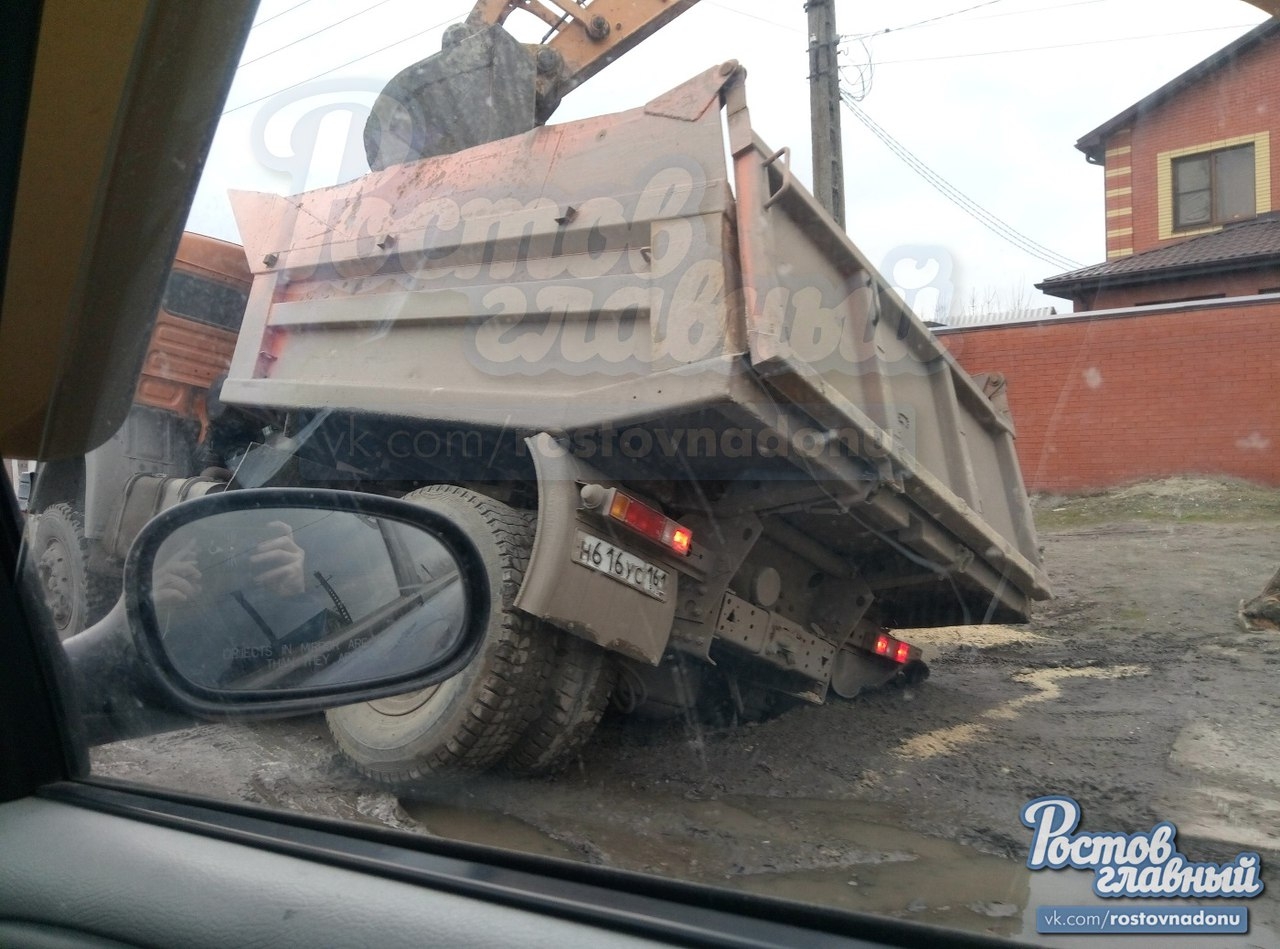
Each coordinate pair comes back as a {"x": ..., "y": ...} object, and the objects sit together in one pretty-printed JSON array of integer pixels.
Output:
[{"x": 1135, "y": 691}]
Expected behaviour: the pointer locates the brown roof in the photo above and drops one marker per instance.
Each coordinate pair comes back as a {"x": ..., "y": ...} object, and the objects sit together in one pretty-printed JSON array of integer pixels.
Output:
[
  {"x": 1094, "y": 143},
  {"x": 1239, "y": 246}
]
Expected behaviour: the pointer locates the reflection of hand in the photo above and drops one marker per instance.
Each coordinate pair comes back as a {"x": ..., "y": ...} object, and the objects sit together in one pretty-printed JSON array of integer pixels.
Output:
[
  {"x": 177, "y": 580},
  {"x": 281, "y": 561}
]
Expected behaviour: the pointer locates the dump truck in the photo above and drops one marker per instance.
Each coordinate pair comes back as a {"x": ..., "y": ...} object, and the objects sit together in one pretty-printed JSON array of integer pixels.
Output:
[
  {"x": 83, "y": 525},
  {"x": 711, "y": 460}
]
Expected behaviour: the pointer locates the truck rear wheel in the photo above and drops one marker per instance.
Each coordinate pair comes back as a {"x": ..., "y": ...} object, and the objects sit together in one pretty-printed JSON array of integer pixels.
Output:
[
  {"x": 577, "y": 692},
  {"x": 470, "y": 721},
  {"x": 76, "y": 596}
]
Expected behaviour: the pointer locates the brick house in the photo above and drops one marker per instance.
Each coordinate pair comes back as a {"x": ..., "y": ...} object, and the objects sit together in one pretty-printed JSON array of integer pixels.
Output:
[
  {"x": 1170, "y": 362},
  {"x": 1189, "y": 173}
]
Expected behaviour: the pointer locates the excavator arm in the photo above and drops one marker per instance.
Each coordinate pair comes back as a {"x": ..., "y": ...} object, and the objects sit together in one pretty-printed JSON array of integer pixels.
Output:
[
  {"x": 587, "y": 36},
  {"x": 485, "y": 85}
]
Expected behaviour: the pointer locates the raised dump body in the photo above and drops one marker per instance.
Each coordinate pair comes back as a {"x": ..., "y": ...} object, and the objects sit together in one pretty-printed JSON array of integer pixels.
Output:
[{"x": 647, "y": 301}]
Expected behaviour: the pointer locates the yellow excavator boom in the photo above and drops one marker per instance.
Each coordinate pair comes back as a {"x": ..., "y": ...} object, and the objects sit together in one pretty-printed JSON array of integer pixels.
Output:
[{"x": 586, "y": 36}]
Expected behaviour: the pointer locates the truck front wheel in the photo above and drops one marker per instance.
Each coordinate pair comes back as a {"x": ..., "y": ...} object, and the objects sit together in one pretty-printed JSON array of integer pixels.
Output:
[
  {"x": 472, "y": 720},
  {"x": 76, "y": 596}
]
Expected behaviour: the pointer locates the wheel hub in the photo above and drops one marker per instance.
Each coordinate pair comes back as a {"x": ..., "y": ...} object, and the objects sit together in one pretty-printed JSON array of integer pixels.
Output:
[{"x": 55, "y": 580}]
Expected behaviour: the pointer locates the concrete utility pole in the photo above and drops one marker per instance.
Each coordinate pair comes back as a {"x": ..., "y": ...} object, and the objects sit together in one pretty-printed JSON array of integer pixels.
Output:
[{"x": 824, "y": 107}]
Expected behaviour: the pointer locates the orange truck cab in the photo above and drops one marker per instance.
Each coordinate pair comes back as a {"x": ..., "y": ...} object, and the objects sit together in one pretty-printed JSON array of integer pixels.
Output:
[{"x": 78, "y": 503}]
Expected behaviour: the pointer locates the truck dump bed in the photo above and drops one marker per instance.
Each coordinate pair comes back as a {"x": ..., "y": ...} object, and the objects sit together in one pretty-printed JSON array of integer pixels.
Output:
[{"x": 674, "y": 309}]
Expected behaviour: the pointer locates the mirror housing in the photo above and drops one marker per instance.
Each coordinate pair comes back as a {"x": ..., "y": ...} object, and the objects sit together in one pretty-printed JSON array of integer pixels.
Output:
[{"x": 272, "y": 602}]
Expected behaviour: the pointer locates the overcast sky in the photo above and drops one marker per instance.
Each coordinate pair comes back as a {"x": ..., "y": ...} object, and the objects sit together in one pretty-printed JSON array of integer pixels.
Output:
[{"x": 991, "y": 96}]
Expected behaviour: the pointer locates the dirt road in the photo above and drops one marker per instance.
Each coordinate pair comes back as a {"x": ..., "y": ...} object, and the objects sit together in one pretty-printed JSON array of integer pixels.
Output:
[{"x": 1134, "y": 691}]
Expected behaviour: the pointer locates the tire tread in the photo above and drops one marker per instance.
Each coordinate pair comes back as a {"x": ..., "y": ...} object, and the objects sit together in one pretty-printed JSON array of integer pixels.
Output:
[
  {"x": 505, "y": 699},
  {"x": 576, "y": 695}
]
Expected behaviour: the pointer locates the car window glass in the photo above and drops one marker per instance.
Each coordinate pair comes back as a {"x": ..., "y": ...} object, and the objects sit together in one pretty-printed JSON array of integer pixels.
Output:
[
  {"x": 818, "y": 554},
  {"x": 204, "y": 300}
]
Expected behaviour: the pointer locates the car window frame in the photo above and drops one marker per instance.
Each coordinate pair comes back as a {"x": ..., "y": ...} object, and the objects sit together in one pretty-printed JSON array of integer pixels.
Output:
[{"x": 35, "y": 746}]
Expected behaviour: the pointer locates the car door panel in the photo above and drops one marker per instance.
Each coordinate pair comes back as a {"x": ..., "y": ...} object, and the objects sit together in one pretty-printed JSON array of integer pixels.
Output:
[
  {"x": 103, "y": 877},
  {"x": 111, "y": 862}
]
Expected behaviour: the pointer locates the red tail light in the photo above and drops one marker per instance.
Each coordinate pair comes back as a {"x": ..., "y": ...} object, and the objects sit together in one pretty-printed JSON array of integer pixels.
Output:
[
  {"x": 895, "y": 649},
  {"x": 650, "y": 523},
  {"x": 681, "y": 538}
]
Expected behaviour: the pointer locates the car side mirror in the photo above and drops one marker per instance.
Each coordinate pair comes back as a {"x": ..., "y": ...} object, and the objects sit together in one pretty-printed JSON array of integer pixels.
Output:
[{"x": 281, "y": 601}]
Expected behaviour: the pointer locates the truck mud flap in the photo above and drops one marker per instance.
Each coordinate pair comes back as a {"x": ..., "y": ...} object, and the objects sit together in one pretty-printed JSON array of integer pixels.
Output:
[{"x": 561, "y": 589}]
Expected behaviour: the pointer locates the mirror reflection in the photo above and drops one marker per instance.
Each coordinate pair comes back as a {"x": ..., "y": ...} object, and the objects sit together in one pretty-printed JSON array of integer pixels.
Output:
[{"x": 290, "y": 598}]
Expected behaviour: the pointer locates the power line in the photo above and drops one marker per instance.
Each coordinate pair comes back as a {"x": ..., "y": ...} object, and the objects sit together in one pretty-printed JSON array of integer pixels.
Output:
[
  {"x": 276, "y": 16},
  {"x": 932, "y": 19},
  {"x": 350, "y": 62},
  {"x": 323, "y": 29},
  {"x": 1048, "y": 9},
  {"x": 752, "y": 16},
  {"x": 1040, "y": 49},
  {"x": 953, "y": 194},
  {"x": 865, "y": 74},
  {"x": 990, "y": 16}
]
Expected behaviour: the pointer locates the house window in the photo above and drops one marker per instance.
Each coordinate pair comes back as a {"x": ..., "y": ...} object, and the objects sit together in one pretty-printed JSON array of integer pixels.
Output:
[{"x": 1213, "y": 188}]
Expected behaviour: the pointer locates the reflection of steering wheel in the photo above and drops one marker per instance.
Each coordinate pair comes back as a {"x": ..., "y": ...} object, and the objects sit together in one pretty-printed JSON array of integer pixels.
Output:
[{"x": 400, "y": 634}]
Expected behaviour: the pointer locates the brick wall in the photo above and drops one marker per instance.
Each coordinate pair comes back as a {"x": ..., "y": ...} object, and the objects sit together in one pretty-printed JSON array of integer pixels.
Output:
[
  {"x": 1240, "y": 100},
  {"x": 1103, "y": 401}
]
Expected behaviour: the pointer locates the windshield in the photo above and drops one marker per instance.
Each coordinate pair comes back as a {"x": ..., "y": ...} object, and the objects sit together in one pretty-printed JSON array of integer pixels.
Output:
[{"x": 867, "y": 430}]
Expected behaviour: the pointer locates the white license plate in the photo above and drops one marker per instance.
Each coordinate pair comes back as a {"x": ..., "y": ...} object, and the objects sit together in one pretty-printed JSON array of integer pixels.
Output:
[{"x": 612, "y": 561}]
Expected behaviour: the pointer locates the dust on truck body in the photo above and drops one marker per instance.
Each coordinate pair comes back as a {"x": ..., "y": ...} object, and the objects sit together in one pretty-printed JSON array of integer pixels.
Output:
[{"x": 615, "y": 314}]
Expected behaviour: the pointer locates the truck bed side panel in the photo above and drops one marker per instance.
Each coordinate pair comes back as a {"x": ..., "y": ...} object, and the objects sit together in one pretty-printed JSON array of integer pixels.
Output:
[{"x": 830, "y": 336}]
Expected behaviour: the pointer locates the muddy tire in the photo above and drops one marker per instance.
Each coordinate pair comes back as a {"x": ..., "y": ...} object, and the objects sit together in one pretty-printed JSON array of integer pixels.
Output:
[
  {"x": 576, "y": 694},
  {"x": 470, "y": 721},
  {"x": 76, "y": 597}
]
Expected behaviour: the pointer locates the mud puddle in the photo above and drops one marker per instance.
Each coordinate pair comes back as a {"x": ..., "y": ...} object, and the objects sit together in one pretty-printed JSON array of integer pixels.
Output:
[{"x": 828, "y": 852}]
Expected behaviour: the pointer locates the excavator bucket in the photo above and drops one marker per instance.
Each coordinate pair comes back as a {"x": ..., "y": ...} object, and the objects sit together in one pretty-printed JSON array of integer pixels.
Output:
[{"x": 476, "y": 90}]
